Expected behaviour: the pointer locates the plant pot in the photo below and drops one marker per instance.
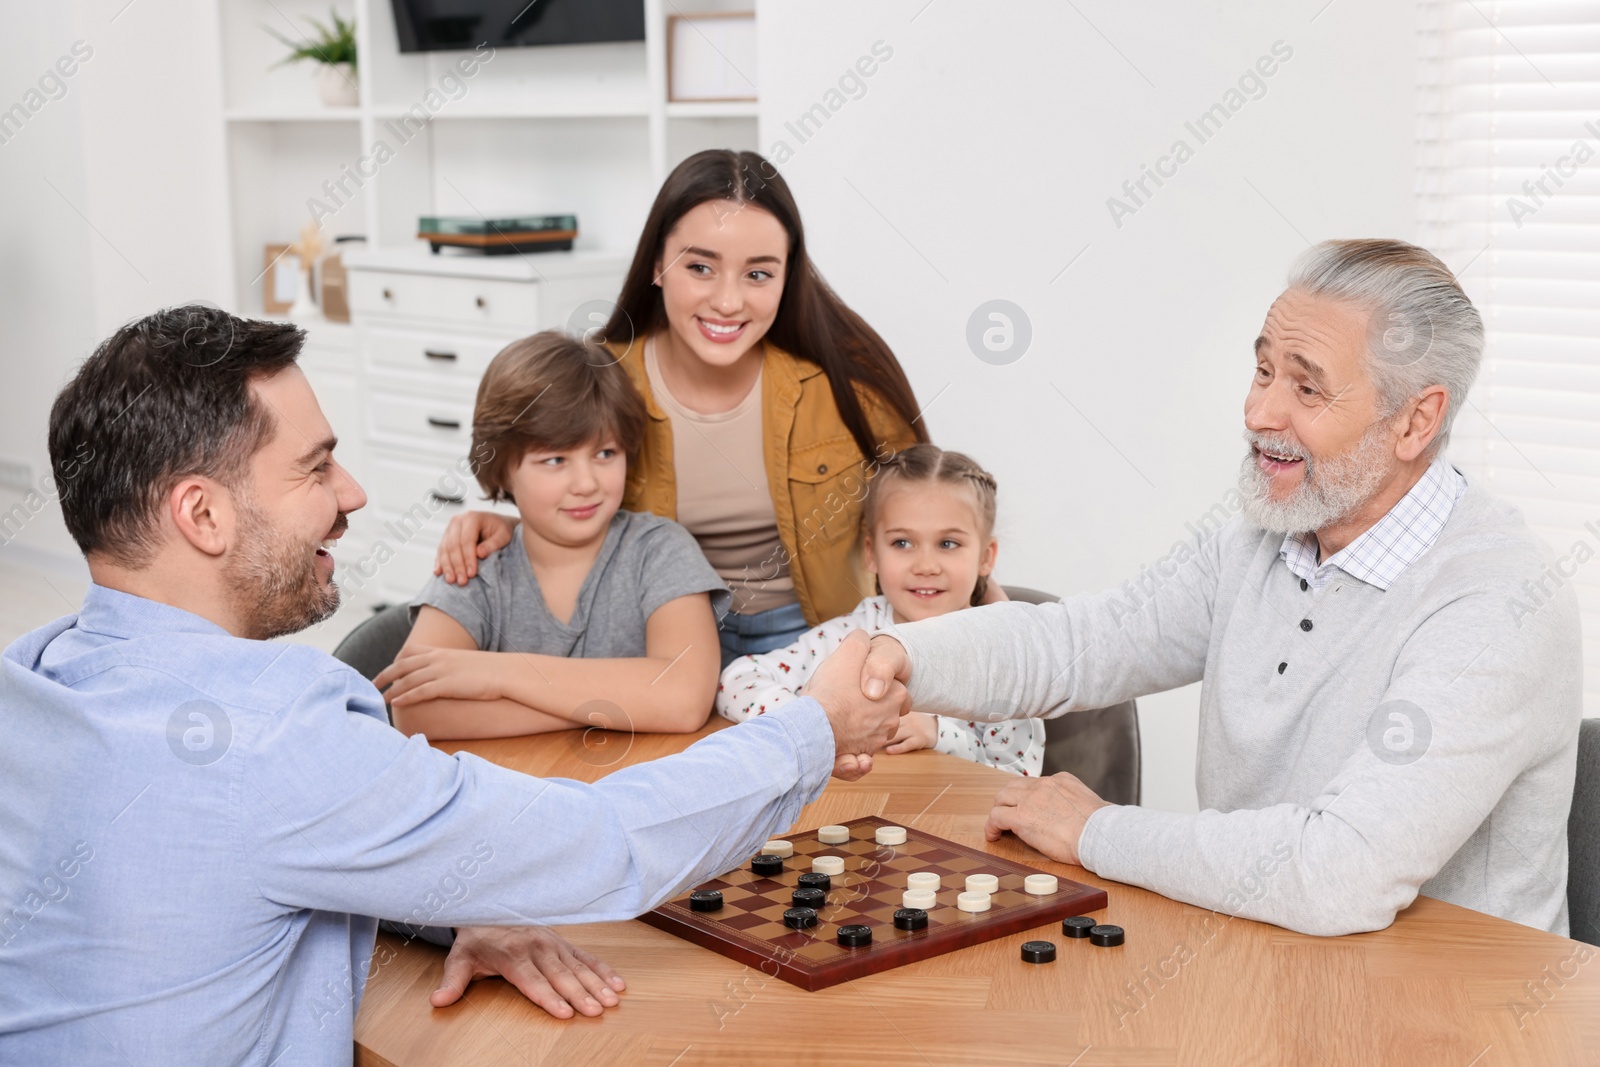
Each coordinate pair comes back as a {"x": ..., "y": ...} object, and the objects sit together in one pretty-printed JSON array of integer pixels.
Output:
[{"x": 336, "y": 84}]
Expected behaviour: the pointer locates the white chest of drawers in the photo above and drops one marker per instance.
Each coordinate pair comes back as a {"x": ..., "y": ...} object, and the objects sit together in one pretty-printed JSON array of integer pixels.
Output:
[{"x": 425, "y": 328}]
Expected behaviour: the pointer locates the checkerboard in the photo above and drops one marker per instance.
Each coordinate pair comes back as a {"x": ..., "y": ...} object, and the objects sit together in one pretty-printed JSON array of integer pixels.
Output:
[{"x": 749, "y": 927}]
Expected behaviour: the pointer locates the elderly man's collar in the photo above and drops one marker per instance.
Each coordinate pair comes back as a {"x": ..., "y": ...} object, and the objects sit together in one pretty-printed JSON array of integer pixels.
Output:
[{"x": 1382, "y": 553}]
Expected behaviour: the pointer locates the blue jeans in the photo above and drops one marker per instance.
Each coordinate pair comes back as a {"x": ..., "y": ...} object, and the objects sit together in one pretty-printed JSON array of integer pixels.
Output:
[{"x": 764, "y": 631}]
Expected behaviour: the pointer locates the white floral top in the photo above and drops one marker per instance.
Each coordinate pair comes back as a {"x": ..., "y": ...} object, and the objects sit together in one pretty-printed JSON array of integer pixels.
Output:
[{"x": 752, "y": 685}]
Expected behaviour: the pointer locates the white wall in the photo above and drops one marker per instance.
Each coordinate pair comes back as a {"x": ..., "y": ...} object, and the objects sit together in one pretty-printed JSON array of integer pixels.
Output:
[
  {"x": 110, "y": 202},
  {"x": 978, "y": 163},
  {"x": 46, "y": 294}
]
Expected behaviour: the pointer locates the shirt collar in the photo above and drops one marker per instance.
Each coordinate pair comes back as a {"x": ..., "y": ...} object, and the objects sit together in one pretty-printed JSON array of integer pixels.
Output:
[
  {"x": 1382, "y": 553},
  {"x": 118, "y": 614}
]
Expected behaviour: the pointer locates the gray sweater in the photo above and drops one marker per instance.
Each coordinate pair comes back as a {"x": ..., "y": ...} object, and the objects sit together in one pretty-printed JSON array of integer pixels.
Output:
[{"x": 1421, "y": 739}]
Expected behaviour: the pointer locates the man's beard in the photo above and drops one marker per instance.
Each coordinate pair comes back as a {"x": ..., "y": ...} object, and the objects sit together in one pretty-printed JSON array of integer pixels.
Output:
[
  {"x": 1329, "y": 490},
  {"x": 275, "y": 577}
]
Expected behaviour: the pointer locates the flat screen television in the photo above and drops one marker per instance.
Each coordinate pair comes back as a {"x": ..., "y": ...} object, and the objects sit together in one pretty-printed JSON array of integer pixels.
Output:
[{"x": 457, "y": 25}]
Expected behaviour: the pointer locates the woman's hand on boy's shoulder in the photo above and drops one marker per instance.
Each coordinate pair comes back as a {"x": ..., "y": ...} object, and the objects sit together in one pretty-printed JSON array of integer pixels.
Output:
[
  {"x": 471, "y": 536},
  {"x": 441, "y": 674}
]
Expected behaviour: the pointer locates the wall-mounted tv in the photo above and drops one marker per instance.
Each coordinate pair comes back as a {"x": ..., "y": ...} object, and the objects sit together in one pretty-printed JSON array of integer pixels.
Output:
[{"x": 454, "y": 25}]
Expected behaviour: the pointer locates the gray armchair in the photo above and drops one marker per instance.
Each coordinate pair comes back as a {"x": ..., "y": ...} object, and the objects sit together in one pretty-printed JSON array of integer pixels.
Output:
[
  {"x": 1583, "y": 839},
  {"x": 374, "y": 644},
  {"x": 1100, "y": 747}
]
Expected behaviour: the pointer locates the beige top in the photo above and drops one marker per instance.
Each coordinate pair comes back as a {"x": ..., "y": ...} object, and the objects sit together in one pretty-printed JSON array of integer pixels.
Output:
[{"x": 724, "y": 498}]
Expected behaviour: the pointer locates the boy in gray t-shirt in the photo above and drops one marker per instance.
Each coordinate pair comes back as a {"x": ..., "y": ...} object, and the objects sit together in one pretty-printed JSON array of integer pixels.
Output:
[
  {"x": 645, "y": 562},
  {"x": 591, "y": 616}
]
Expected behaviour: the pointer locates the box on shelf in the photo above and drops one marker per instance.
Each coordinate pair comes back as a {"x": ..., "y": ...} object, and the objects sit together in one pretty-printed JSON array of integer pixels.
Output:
[{"x": 499, "y": 237}]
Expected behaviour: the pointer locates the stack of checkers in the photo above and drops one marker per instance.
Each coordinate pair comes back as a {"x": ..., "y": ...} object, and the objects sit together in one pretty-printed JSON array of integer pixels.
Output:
[{"x": 842, "y": 902}]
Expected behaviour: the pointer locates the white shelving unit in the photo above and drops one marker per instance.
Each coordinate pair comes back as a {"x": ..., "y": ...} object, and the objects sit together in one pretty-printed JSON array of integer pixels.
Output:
[{"x": 582, "y": 129}]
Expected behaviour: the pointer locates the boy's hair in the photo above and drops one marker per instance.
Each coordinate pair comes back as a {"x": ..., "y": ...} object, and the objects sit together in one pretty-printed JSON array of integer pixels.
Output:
[
  {"x": 924, "y": 463},
  {"x": 550, "y": 392}
]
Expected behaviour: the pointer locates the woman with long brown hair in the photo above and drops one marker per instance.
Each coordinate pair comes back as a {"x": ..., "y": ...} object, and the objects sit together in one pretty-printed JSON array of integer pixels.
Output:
[{"x": 770, "y": 402}]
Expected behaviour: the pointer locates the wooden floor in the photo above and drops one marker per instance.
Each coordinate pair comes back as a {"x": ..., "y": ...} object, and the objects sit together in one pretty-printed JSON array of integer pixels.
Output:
[{"x": 1443, "y": 985}]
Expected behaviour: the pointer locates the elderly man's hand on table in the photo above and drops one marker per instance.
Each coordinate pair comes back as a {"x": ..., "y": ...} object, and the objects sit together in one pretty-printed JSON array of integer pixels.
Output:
[
  {"x": 547, "y": 968},
  {"x": 1047, "y": 813},
  {"x": 861, "y": 724}
]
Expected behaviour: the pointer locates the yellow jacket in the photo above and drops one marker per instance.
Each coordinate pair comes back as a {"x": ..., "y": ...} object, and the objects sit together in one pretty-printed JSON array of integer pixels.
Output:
[{"x": 817, "y": 474}]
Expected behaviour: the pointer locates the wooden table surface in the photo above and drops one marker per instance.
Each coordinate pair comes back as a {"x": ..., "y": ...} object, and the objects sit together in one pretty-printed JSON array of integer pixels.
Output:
[{"x": 1443, "y": 985}]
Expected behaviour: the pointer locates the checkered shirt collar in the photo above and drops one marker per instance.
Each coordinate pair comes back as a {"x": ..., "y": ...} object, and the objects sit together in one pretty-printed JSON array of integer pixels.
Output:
[{"x": 1390, "y": 545}]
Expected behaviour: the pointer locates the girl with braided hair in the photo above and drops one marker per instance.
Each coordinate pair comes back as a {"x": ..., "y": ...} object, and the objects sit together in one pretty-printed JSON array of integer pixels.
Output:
[{"x": 929, "y": 541}]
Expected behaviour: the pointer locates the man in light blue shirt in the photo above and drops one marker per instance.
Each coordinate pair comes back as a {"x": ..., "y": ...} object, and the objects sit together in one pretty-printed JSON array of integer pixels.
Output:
[{"x": 200, "y": 830}]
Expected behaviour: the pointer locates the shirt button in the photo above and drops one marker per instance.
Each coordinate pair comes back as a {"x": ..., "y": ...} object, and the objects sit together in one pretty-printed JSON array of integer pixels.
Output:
[
  {"x": 1282, "y": 667},
  {"x": 822, "y": 468},
  {"x": 1304, "y": 584},
  {"x": 1305, "y": 624}
]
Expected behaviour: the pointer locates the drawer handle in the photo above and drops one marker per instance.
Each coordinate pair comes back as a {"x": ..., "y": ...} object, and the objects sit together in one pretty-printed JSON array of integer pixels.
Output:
[
  {"x": 441, "y": 498},
  {"x": 388, "y": 294},
  {"x": 480, "y": 301},
  {"x": 447, "y": 356},
  {"x": 444, "y": 424}
]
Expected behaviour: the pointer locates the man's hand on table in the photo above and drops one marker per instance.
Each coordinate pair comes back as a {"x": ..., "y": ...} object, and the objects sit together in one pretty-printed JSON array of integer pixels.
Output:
[
  {"x": 861, "y": 724},
  {"x": 1047, "y": 813},
  {"x": 549, "y": 970}
]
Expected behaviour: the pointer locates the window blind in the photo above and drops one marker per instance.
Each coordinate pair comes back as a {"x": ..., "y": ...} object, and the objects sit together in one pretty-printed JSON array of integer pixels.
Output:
[{"x": 1508, "y": 195}]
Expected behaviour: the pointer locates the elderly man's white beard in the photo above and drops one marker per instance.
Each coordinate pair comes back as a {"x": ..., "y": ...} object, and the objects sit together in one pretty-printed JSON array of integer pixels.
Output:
[{"x": 1329, "y": 490}]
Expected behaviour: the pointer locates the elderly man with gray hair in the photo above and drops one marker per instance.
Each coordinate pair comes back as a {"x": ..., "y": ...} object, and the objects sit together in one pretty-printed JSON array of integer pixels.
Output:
[{"x": 1382, "y": 714}]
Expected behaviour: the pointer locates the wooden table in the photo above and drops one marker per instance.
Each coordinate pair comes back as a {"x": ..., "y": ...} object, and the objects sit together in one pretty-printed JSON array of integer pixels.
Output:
[{"x": 1442, "y": 985}]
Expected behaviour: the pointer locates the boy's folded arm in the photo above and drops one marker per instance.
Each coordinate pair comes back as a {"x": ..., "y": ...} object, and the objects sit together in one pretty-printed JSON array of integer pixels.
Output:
[
  {"x": 436, "y": 628},
  {"x": 670, "y": 689},
  {"x": 450, "y": 718},
  {"x": 447, "y": 719}
]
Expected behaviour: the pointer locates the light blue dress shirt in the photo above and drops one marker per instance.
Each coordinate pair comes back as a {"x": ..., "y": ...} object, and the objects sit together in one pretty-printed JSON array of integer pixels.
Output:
[{"x": 198, "y": 834}]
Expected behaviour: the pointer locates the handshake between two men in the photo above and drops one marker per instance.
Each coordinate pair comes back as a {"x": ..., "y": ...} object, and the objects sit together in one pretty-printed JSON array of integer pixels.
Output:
[{"x": 862, "y": 687}]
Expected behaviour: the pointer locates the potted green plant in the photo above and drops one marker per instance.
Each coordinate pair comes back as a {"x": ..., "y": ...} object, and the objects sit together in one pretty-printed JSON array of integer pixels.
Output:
[{"x": 333, "y": 49}]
